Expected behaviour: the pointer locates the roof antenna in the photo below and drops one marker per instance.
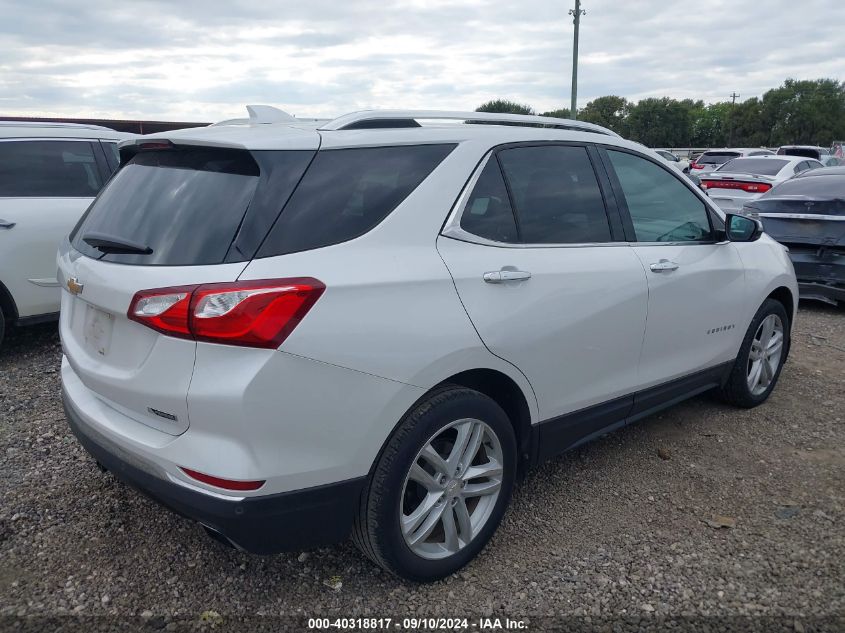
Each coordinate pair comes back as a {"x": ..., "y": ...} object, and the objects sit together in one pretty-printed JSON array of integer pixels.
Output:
[{"x": 268, "y": 114}]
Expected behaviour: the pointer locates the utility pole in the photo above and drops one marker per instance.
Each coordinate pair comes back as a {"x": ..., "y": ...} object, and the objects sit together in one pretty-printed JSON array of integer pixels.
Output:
[
  {"x": 734, "y": 97},
  {"x": 576, "y": 14}
]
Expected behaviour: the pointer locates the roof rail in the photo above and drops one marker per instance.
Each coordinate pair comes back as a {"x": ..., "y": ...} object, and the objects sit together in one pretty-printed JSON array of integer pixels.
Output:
[
  {"x": 400, "y": 118},
  {"x": 60, "y": 124}
]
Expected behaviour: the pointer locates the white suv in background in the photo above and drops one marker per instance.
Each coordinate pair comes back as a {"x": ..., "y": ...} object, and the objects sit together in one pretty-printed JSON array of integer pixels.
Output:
[
  {"x": 49, "y": 174},
  {"x": 293, "y": 333}
]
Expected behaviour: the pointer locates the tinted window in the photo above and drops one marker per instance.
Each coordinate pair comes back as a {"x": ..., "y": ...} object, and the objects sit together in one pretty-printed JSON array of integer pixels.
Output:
[
  {"x": 112, "y": 154},
  {"x": 800, "y": 167},
  {"x": 662, "y": 208},
  {"x": 346, "y": 192},
  {"x": 556, "y": 195},
  {"x": 488, "y": 211},
  {"x": 715, "y": 158},
  {"x": 184, "y": 205},
  {"x": 762, "y": 166},
  {"x": 47, "y": 169}
]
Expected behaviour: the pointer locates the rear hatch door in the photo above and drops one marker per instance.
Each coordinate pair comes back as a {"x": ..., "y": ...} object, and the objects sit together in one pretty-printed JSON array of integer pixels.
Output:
[{"x": 173, "y": 216}]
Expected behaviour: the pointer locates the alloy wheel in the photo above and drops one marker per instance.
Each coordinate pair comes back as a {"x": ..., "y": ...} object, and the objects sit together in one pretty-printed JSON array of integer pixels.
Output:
[
  {"x": 451, "y": 489},
  {"x": 765, "y": 354}
]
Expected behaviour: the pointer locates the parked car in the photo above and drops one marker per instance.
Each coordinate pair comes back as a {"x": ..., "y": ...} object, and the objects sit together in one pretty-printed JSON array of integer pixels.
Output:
[
  {"x": 807, "y": 214},
  {"x": 49, "y": 173},
  {"x": 826, "y": 171},
  {"x": 673, "y": 160},
  {"x": 712, "y": 159},
  {"x": 742, "y": 179},
  {"x": 292, "y": 334},
  {"x": 821, "y": 154}
]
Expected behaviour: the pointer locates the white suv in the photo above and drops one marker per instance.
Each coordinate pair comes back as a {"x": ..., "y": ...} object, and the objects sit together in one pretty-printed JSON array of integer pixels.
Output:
[
  {"x": 293, "y": 334},
  {"x": 49, "y": 174}
]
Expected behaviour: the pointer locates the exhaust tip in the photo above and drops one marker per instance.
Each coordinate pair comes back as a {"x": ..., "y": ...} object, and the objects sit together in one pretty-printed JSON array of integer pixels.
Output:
[{"x": 217, "y": 536}]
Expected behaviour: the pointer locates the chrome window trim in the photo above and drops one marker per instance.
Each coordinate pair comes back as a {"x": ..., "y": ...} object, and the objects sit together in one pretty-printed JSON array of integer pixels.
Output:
[{"x": 452, "y": 228}]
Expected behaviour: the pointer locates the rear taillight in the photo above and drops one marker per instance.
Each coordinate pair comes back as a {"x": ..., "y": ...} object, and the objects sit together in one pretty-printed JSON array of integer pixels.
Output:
[
  {"x": 226, "y": 484},
  {"x": 258, "y": 313},
  {"x": 694, "y": 165},
  {"x": 750, "y": 187}
]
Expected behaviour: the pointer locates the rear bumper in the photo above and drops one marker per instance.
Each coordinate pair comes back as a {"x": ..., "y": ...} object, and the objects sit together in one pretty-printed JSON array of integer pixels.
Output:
[
  {"x": 821, "y": 292},
  {"x": 820, "y": 273},
  {"x": 266, "y": 524}
]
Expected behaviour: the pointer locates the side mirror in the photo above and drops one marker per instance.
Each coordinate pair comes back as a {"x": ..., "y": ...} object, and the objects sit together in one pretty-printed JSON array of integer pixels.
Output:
[{"x": 741, "y": 228}]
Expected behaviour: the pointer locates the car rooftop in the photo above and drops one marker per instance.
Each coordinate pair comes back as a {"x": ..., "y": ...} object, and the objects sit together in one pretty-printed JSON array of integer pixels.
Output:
[
  {"x": 33, "y": 129},
  {"x": 268, "y": 128}
]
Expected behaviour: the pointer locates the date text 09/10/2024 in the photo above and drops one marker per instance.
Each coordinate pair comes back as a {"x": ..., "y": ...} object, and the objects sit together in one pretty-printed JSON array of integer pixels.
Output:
[{"x": 418, "y": 624}]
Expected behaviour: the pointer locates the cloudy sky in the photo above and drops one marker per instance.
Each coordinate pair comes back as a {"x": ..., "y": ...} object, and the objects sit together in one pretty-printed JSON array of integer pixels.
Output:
[{"x": 204, "y": 59}]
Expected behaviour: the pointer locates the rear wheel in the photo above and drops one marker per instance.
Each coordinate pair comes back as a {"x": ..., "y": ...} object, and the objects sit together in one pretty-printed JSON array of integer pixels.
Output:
[
  {"x": 761, "y": 357},
  {"x": 440, "y": 488},
  {"x": 2, "y": 327}
]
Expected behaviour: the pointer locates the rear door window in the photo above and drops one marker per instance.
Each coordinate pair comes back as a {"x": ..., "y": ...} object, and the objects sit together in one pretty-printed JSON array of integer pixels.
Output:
[
  {"x": 184, "y": 205},
  {"x": 48, "y": 169},
  {"x": 488, "y": 211},
  {"x": 556, "y": 195},
  {"x": 112, "y": 154},
  {"x": 661, "y": 207},
  {"x": 347, "y": 192}
]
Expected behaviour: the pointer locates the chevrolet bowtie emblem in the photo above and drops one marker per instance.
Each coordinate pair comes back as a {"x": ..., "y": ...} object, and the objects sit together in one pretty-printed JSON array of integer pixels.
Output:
[{"x": 74, "y": 286}]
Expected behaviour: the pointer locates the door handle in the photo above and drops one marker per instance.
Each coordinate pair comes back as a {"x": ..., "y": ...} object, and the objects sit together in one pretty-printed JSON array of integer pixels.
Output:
[
  {"x": 6, "y": 225},
  {"x": 501, "y": 276},
  {"x": 663, "y": 265}
]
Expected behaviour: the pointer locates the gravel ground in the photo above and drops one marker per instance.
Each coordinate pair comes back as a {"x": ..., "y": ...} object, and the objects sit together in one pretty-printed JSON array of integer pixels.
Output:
[{"x": 616, "y": 529}]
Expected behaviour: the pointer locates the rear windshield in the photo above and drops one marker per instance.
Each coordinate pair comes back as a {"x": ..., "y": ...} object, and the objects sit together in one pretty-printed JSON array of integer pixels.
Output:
[
  {"x": 191, "y": 206},
  {"x": 715, "y": 158},
  {"x": 806, "y": 152},
  {"x": 811, "y": 187},
  {"x": 759, "y": 166},
  {"x": 347, "y": 192}
]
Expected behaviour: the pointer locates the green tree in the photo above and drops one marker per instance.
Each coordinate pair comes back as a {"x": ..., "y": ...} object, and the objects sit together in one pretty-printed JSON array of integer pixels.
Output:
[
  {"x": 505, "y": 106},
  {"x": 710, "y": 125},
  {"x": 745, "y": 124},
  {"x": 560, "y": 113},
  {"x": 610, "y": 111},
  {"x": 804, "y": 111},
  {"x": 661, "y": 122}
]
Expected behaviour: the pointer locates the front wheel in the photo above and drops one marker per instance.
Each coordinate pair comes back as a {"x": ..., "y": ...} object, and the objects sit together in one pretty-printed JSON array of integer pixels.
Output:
[
  {"x": 761, "y": 357},
  {"x": 440, "y": 487}
]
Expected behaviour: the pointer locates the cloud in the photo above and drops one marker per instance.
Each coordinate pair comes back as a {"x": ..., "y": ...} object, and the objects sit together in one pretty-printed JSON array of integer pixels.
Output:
[{"x": 204, "y": 59}]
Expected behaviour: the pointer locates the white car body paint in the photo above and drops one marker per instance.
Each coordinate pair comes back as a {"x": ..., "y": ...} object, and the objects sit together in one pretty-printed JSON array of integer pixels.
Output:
[
  {"x": 405, "y": 308},
  {"x": 28, "y": 248}
]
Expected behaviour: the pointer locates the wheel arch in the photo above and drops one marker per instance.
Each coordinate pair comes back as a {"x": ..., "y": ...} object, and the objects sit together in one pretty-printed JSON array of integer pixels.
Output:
[
  {"x": 505, "y": 392},
  {"x": 7, "y": 304},
  {"x": 784, "y": 296}
]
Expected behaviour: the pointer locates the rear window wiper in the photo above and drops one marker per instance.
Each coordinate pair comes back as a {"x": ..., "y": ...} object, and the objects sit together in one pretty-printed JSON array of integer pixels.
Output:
[{"x": 117, "y": 245}]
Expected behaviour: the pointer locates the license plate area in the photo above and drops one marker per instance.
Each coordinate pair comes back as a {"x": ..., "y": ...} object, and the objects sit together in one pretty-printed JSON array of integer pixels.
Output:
[{"x": 98, "y": 326}]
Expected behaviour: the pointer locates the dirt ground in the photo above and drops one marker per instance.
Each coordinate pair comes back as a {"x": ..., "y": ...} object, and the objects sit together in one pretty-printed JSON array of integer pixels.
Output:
[{"x": 611, "y": 530}]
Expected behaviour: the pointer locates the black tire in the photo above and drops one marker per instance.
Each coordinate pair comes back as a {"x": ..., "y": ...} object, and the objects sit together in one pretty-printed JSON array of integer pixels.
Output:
[
  {"x": 377, "y": 531},
  {"x": 2, "y": 327},
  {"x": 736, "y": 390}
]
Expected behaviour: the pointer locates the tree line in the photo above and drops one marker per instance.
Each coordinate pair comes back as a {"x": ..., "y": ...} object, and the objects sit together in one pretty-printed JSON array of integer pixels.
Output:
[{"x": 808, "y": 112}]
